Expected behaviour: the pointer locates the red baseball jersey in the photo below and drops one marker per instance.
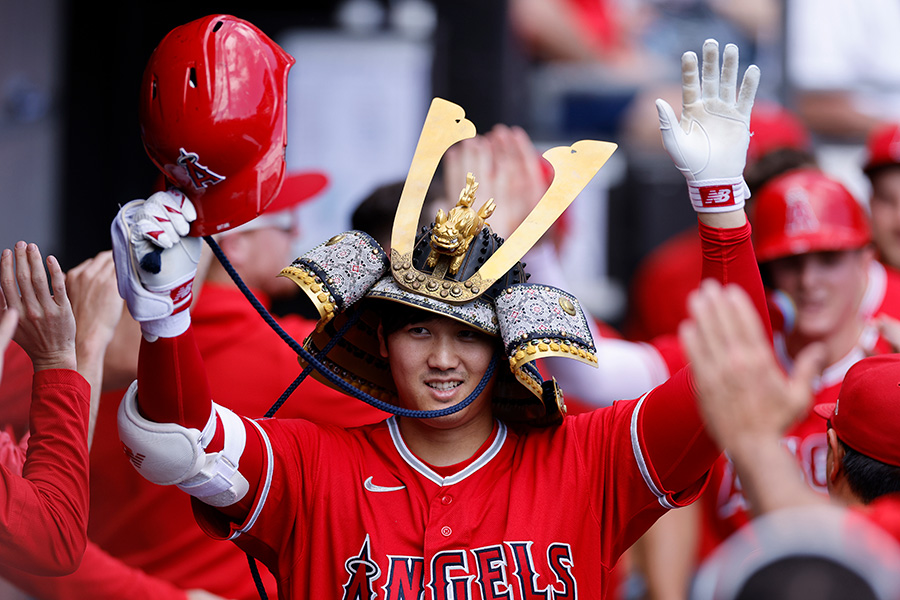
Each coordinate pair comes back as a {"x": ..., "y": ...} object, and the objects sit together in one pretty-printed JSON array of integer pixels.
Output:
[
  {"x": 354, "y": 513},
  {"x": 884, "y": 512},
  {"x": 725, "y": 509},
  {"x": 538, "y": 512},
  {"x": 43, "y": 511}
]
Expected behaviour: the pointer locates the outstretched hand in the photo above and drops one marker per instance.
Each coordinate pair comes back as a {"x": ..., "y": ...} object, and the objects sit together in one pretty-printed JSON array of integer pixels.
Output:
[
  {"x": 95, "y": 300},
  {"x": 709, "y": 142},
  {"x": 506, "y": 166},
  {"x": 742, "y": 391},
  {"x": 46, "y": 327}
]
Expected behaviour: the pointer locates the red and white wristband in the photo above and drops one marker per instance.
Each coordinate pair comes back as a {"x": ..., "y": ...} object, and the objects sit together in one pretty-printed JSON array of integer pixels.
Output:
[{"x": 718, "y": 195}]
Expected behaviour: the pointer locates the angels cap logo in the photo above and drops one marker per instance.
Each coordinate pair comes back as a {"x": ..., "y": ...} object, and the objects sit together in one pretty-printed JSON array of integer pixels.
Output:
[
  {"x": 201, "y": 176},
  {"x": 800, "y": 216}
]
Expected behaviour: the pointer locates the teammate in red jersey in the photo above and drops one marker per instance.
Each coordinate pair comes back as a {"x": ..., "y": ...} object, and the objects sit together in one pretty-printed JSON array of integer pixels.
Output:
[
  {"x": 882, "y": 167},
  {"x": 43, "y": 519},
  {"x": 749, "y": 402},
  {"x": 499, "y": 494},
  {"x": 813, "y": 242}
]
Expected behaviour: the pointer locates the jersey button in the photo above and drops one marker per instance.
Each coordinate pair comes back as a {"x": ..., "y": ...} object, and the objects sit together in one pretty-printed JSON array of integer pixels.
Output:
[
  {"x": 446, "y": 531},
  {"x": 446, "y": 500}
]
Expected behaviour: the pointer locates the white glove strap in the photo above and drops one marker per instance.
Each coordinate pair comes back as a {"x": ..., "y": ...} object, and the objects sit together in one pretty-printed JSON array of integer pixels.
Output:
[
  {"x": 168, "y": 327},
  {"x": 718, "y": 195}
]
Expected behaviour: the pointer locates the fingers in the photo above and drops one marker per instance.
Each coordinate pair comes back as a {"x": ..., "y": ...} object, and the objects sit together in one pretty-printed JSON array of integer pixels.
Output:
[
  {"x": 58, "y": 281},
  {"x": 749, "y": 86},
  {"x": 709, "y": 86},
  {"x": 7, "y": 328},
  {"x": 728, "y": 82},
  {"x": 28, "y": 290},
  {"x": 666, "y": 115},
  {"x": 8, "y": 281},
  {"x": 690, "y": 79},
  {"x": 808, "y": 365}
]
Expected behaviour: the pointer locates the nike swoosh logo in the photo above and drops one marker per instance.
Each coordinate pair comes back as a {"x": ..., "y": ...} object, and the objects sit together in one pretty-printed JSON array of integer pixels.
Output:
[{"x": 380, "y": 488}]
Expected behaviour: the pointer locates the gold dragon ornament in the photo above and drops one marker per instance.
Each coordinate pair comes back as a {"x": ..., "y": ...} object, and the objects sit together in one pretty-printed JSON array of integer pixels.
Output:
[{"x": 454, "y": 231}]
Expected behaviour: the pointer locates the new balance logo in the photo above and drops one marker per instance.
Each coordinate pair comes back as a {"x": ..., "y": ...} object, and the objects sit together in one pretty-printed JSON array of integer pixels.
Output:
[
  {"x": 717, "y": 195},
  {"x": 136, "y": 459}
]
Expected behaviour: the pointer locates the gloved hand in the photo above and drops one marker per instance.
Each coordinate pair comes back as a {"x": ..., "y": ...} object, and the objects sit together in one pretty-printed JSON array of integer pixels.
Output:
[
  {"x": 709, "y": 144},
  {"x": 156, "y": 261}
]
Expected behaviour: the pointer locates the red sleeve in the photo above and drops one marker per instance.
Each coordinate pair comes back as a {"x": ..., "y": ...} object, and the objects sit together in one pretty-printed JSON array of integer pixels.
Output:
[
  {"x": 728, "y": 257},
  {"x": 677, "y": 461},
  {"x": 172, "y": 381},
  {"x": 43, "y": 512},
  {"x": 173, "y": 388},
  {"x": 99, "y": 577},
  {"x": 15, "y": 390}
]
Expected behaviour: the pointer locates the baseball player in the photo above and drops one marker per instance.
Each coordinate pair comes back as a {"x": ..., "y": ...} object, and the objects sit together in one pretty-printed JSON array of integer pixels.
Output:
[
  {"x": 749, "y": 403},
  {"x": 814, "y": 245},
  {"x": 882, "y": 167},
  {"x": 497, "y": 493},
  {"x": 43, "y": 519}
]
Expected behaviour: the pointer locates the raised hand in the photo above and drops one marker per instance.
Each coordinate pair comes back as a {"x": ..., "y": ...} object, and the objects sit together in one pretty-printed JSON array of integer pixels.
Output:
[
  {"x": 742, "y": 392},
  {"x": 709, "y": 143},
  {"x": 46, "y": 327},
  {"x": 506, "y": 166},
  {"x": 156, "y": 261}
]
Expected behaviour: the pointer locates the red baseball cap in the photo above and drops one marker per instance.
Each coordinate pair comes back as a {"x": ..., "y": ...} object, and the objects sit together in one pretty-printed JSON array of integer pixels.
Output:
[
  {"x": 866, "y": 415},
  {"x": 883, "y": 147}
]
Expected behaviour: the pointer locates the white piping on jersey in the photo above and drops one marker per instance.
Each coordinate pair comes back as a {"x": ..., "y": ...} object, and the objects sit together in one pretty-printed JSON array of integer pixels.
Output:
[
  {"x": 641, "y": 461},
  {"x": 427, "y": 472},
  {"x": 267, "y": 485}
]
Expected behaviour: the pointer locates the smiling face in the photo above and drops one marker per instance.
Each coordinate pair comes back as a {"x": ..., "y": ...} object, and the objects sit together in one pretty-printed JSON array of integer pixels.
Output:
[
  {"x": 826, "y": 287},
  {"x": 436, "y": 363}
]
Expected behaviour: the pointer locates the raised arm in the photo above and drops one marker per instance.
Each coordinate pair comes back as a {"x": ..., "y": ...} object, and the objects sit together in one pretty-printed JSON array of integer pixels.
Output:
[
  {"x": 709, "y": 146},
  {"x": 91, "y": 287},
  {"x": 173, "y": 433},
  {"x": 746, "y": 399},
  {"x": 43, "y": 512}
]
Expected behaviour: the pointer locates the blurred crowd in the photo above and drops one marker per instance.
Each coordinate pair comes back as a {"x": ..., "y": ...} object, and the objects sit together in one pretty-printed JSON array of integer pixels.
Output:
[{"x": 810, "y": 474}]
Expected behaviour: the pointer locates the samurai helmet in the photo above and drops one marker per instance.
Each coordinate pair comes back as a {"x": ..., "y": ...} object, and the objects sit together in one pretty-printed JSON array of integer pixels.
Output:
[{"x": 458, "y": 268}]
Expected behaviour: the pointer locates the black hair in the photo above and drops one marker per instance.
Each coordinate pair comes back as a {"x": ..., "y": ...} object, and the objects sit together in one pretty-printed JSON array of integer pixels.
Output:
[
  {"x": 867, "y": 477},
  {"x": 395, "y": 315},
  {"x": 799, "y": 577}
]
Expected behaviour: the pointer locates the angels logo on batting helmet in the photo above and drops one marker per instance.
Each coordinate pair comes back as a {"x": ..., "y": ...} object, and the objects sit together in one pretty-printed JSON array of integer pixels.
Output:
[
  {"x": 803, "y": 211},
  {"x": 213, "y": 118}
]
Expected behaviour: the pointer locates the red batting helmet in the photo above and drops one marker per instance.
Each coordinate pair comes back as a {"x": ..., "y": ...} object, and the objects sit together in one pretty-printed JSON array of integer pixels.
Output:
[
  {"x": 883, "y": 147},
  {"x": 806, "y": 211},
  {"x": 213, "y": 118}
]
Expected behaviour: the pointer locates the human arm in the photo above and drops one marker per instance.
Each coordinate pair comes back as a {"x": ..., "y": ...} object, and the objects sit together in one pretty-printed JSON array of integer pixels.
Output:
[
  {"x": 172, "y": 431},
  {"x": 102, "y": 577},
  {"x": 91, "y": 287},
  {"x": 43, "y": 511},
  {"x": 746, "y": 399}
]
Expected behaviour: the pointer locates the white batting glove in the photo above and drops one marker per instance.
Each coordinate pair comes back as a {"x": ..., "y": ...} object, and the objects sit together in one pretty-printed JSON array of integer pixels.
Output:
[
  {"x": 710, "y": 144},
  {"x": 156, "y": 261}
]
